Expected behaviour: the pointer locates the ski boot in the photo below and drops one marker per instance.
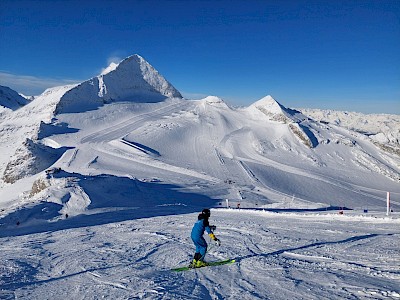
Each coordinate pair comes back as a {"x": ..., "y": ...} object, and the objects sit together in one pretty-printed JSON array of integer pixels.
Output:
[
  {"x": 193, "y": 264},
  {"x": 201, "y": 263},
  {"x": 197, "y": 264}
]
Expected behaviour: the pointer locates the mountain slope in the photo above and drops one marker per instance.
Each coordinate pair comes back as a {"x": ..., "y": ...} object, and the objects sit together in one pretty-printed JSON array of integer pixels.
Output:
[
  {"x": 133, "y": 79},
  {"x": 262, "y": 155},
  {"x": 11, "y": 99},
  {"x": 275, "y": 111},
  {"x": 229, "y": 153},
  {"x": 383, "y": 129}
]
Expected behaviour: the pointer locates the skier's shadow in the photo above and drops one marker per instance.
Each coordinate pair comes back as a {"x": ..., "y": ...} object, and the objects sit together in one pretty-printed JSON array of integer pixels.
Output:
[
  {"x": 348, "y": 240},
  {"x": 17, "y": 284}
]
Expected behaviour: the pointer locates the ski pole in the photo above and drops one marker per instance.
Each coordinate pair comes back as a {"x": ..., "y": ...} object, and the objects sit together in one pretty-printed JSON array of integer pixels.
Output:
[{"x": 212, "y": 245}]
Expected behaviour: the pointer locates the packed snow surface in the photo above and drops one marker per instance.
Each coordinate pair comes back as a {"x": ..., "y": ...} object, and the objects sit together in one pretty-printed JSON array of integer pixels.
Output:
[
  {"x": 128, "y": 254},
  {"x": 102, "y": 181}
]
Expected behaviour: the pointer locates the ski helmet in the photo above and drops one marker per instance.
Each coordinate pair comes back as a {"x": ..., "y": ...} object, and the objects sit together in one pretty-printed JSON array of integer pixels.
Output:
[{"x": 206, "y": 212}]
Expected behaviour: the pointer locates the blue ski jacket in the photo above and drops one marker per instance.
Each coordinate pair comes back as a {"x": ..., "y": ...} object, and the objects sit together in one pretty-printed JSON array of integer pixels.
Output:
[{"x": 198, "y": 229}]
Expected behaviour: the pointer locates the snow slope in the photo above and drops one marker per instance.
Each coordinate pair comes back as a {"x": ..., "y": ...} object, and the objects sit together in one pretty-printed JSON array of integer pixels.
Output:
[
  {"x": 279, "y": 256},
  {"x": 133, "y": 79},
  {"x": 118, "y": 167},
  {"x": 11, "y": 99}
]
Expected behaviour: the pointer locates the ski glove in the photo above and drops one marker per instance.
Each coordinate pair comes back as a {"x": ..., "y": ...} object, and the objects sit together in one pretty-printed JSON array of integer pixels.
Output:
[{"x": 214, "y": 238}]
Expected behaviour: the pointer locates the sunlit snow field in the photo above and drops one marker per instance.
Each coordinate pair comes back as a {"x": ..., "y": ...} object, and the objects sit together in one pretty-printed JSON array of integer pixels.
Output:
[{"x": 278, "y": 256}]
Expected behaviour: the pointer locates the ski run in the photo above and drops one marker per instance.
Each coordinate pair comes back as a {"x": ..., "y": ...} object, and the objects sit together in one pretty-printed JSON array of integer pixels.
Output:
[{"x": 278, "y": 256}]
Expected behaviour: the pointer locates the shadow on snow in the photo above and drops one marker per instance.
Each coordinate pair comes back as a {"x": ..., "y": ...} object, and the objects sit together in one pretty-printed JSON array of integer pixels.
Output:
[
  {"x": 317, "y": 244},
  {"x": 299, "y": 210},
  {"x": 112, "y": 199}
]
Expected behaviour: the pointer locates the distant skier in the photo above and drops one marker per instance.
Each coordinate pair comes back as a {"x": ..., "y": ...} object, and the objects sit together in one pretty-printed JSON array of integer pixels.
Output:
[{"x": 197, "y": 237}]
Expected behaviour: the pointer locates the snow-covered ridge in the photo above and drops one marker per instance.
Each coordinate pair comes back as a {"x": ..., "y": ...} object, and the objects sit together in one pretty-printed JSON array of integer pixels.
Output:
[
  {"x": 133, "y": 73},
  {"x": 110, "y": 68},
  {"x": 11, "y": 99},
  {"x": 383, "y": 129},
  {"x": 213, "y": 100},
  {"x": 274, "y": 111},
  {"x": 269, "y": 109},
  {"x": 369, "y": 124},
  {"x": 270, "y": 105}
]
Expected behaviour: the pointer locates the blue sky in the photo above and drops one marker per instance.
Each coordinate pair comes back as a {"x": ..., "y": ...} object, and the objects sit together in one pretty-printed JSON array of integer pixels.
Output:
[{"x": 331, "y": 54}]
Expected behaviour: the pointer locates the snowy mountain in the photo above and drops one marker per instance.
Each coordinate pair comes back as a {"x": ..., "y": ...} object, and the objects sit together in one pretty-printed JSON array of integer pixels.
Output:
[
  {"x": 11, "y": 99},
  {"x": 101, "y": 182},
  {"x": 269, "y": 107},
  {"x": 132, "y": 79},
  {"x": 383, "y": 129},
  {"x": 270, "y": 151}
]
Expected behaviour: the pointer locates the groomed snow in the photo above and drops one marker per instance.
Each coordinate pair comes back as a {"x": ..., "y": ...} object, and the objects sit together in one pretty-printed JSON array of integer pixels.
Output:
[{"x": 129, "y": 256}]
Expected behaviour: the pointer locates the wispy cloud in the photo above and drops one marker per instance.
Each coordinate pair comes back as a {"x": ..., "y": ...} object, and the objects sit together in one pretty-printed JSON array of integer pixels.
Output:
[
  {"x": 31, "y": 85},
  {"x": 116, "y": 57}
]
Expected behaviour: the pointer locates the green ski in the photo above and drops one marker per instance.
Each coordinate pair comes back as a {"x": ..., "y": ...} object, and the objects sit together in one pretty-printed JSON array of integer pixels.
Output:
[{"x": 210, "y": 264}]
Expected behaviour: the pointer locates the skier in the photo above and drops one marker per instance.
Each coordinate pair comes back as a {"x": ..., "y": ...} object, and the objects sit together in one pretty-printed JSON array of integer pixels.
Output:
[{"x": 197, "y": 237}]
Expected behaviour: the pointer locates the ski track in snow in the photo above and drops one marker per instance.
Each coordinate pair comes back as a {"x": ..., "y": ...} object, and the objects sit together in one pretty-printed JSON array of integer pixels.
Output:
[
  {"x": 119, "y": 130},
  {"x": 278, "y": 256},
  {"x": 120, "y": 153}
]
